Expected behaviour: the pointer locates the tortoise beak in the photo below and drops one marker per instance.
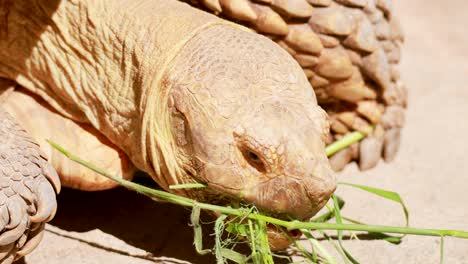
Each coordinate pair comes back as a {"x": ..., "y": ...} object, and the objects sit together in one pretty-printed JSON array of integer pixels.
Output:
[{"x": 291, "y": 197}]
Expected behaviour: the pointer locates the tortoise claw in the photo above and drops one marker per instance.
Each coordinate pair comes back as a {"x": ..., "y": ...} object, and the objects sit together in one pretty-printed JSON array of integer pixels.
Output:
[
  {"x": 28, "y": 185},
  {"x": 4, "y": 217},
  {"x": 14, "y": 234},
  {"x": 5, "y": 251},
  {"x": 46, "y": 202},
  {"x": 8, "y": 259},
  {"x": 16, "y": 212},
  {"x": 51, "y": 174},
  {"x": 34, "y": 239}
]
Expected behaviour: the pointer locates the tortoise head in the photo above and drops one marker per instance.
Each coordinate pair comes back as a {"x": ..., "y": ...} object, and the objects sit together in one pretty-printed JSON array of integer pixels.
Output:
[{"x": 247, "y": 117}]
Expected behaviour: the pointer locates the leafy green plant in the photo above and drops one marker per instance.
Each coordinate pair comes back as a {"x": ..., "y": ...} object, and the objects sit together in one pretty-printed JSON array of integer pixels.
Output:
[{"x": 235, "y": 225}]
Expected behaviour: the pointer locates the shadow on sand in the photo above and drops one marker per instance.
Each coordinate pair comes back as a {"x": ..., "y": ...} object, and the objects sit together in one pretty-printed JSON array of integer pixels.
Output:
[
  {"x": 161, "y": 229},
  {"x": 158, "y": 228}
]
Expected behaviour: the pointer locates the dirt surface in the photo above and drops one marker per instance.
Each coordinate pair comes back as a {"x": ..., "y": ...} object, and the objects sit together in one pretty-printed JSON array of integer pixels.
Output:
[{"x": 430, "y": 171}]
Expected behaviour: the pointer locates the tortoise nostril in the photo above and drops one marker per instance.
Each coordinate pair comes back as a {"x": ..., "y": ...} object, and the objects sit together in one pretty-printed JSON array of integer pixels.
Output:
[{"x": 254, "y": 160}]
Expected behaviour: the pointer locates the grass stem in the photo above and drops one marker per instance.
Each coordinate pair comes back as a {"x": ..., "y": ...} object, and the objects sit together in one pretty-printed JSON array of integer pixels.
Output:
[
  {"x": 290, "y": 225},
  {"x": 344, "y": 142}
]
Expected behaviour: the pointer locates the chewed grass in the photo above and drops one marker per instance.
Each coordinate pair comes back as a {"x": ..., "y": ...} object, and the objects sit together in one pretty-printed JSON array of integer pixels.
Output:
[{"x": 238, "y": 226}]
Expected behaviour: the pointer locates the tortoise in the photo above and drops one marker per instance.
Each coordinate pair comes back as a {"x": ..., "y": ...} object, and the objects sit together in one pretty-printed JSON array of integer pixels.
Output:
[
  {"x": 158, "y": 86},
  {"x": 349, "y": 50}
]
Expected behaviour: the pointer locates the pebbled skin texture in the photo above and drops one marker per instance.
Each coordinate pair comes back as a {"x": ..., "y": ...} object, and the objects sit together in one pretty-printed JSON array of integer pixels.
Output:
[
  {"x": 28, "y": 185},
  {"x": 349, "y": 50},
  {"x": 42, "y": 123},
  {"x": 254, "y": 129}
]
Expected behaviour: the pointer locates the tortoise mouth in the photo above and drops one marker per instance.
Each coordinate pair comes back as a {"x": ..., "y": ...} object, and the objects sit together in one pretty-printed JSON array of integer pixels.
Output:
[{"x": 280, "y": 239}]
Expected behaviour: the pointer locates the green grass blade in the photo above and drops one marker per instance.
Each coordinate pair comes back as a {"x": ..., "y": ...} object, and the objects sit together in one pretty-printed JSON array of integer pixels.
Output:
[
  {"x": 219, "y": 227},
  {"x": 233, "y": 256},
  {"x": 253, "y": 241},
  {"x": 339, "y": 220},
  {"x": 197, "y": 231},
  {"x": 344, "y": 142},
  {"x": 442, "y": 250},
  {"x": 309, "y": 236},
  {"x": 264, "y": 246},
  {"x": 309, "y": 256},
  {"x": 337, "y": 213},
  {"x": 334, "y": 244},
  {"x": 377, "y": 235},
  {"x": 330, "y": 214},
  {"x": 323, "y": 252},
  {"x": 187, "y": 186},
  {"x": 291, "y": 225},
  {"x": 238, "y": 229},
  {"x": 261, "y": 253},
  {"x": 393, "y": 196}
]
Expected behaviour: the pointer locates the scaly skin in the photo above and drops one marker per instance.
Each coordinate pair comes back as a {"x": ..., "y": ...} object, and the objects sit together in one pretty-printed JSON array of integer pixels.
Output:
[
  {"x": 42, "y": 123},
  {"x": 259, "y": 133},
  {"x": 187, "y": 97},
  {"x": 349, "y": 50},
  {"x": 28, "y": 184}
]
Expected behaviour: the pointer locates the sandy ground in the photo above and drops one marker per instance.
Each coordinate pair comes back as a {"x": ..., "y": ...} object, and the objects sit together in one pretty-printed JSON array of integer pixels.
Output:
[{"x": 430, "y": 171}]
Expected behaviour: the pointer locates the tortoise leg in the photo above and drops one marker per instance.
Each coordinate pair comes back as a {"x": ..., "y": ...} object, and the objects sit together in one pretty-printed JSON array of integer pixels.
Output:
[
  {"x": 28, "y": 188},
  {"x": 42, "y": 122}
]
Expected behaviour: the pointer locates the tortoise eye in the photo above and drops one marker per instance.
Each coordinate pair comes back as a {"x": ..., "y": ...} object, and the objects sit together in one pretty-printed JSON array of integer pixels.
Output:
[
  {"x": 254, "y": 157},
  {"x": 254, "y": 160}
]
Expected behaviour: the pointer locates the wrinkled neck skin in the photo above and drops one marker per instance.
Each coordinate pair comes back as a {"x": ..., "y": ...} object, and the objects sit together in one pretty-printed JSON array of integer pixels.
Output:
[
  {"x": 249, "y": 123},
  {"x": 103, "y": 62}
]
